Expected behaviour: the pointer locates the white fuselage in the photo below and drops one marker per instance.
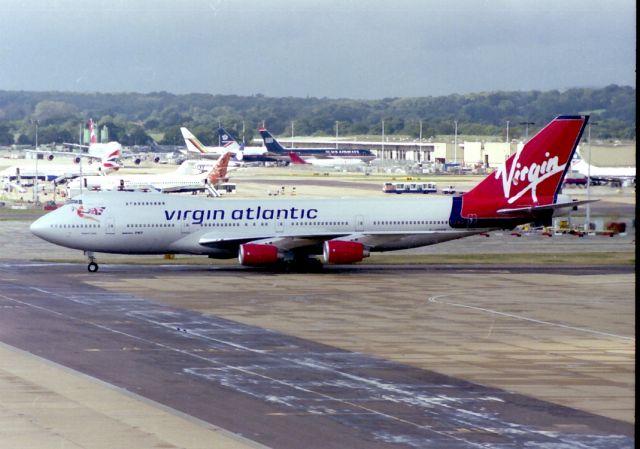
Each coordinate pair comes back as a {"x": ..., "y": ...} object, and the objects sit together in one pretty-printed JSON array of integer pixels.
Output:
[
  {"x": 334, "y": 162},
  {"x": 176, "y": 180},
  {"x": 49, "y": 171},
  {"x": 234, "y": 148},
  {"x": 604, "y": 172},
  {"x": 154, "y": 223}
]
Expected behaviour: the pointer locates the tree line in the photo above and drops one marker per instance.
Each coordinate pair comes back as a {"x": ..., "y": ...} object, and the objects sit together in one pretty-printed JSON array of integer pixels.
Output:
[{"x": 135, "y": 119}]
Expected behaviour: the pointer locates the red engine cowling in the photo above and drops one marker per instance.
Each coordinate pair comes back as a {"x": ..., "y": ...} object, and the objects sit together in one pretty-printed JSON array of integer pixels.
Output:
[
  {"x": 253, "y": 254},
  {"x": 339, "y": 251}
]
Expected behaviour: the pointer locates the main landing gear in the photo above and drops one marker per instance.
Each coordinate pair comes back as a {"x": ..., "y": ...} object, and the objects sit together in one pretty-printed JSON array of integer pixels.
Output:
[{"x": 93, "y": 265}]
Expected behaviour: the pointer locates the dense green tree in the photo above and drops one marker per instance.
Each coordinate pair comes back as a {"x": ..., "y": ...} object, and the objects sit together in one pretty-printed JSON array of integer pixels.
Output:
[
  {"x": 130, "y": 117},
  {"x": 6, "y": 135}
]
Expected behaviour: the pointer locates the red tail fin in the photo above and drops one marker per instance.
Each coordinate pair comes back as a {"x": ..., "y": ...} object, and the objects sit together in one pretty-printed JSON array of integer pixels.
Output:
[
  {"x": 92, "y": 132},
  {"x": 219, "y": 171},
  {"x": 532, "y": 176},
  {"x": 296, "y": 159}
]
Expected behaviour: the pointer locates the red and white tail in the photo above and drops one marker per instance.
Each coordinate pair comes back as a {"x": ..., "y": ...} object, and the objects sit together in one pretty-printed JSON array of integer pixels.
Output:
[
  {"x": 219, "y": 171},
  {"x": 530, "y": 178},
  {"x": 109, "y": 155},
  {"x": 92, "y": 133},
  {"x": 296, "y": 159}
]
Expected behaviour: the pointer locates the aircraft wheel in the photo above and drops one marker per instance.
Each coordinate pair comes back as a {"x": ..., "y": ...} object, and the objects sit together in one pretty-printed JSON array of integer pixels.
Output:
[{"x": 92, "y": 267}]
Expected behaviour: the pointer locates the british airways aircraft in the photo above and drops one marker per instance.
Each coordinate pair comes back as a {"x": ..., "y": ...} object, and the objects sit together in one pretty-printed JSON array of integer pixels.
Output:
[
  {"x": 526, "y": 189},
  {"x": 108, "y": 153}
]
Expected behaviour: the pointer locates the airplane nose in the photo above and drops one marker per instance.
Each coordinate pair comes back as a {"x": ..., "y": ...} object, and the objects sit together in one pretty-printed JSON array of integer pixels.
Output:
[{"x": 39, "y": 227}]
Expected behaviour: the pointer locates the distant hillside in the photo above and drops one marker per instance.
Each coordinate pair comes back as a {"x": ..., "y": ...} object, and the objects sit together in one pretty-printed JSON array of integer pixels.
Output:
[{"x": 132, "y": 117}]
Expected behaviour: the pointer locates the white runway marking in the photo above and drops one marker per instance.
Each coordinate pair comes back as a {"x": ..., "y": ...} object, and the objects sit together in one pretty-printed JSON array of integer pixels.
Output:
[{"x": 436, "y": 299}]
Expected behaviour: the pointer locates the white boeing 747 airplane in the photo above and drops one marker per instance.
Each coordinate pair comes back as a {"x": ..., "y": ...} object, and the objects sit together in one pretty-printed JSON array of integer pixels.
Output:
[
  {"x": 271, "y": 231},
  {"x": 108, "y": 153}
]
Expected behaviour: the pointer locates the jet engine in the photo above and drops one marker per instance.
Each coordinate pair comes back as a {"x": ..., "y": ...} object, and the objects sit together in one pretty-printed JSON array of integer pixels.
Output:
[
  {"x": 137, "y": 161},
  {"x": 50, "y": 156},
  {"x": 156, "y": 159},
  {"x": 254, "y": 254},
  {"x": 76, "y": 159},
  {"x": 340, "y": 251}
]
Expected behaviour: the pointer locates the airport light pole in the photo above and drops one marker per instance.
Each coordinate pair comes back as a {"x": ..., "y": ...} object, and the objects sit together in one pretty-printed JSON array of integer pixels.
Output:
[
  {"x": 455, "y": 142},
  {"x": 507, "y": 140},
  {"x": 587, "y": 225},
  {"x": 337, "y": 134},
  {"x": 291, "y": 134},
  {"x": 526, "y": 129},
  {"x": 420, "y": 143},
  {"x": 383, "y": 139},
  {"x": 35, "y": 182}
]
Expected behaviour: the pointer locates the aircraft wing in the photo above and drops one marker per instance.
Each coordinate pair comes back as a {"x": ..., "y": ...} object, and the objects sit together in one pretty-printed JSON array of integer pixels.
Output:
[
  {"x": 312, "y": 243},
  {"x": 285, "y": 243},
  {"x": 75, "y": 145},
  {"x": 49, "y": 154},
  {"x": 177, "y": 189}
]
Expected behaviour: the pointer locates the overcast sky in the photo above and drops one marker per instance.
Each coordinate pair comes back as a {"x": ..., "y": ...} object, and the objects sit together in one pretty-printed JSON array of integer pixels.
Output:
[{"x": 361, "y": 49}]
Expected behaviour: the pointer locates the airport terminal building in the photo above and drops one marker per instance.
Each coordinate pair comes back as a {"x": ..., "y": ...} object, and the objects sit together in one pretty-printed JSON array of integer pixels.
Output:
[{"x": 486, "y": 154}]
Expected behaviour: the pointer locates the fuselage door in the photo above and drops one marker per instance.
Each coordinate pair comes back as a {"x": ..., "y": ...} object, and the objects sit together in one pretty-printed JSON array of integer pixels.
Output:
[
  {"x": 359, "y": 223},
  {"x": 111, "y": 226},
  {"x": 279, "y": 226},
  {"x": 186, "y": 227}
]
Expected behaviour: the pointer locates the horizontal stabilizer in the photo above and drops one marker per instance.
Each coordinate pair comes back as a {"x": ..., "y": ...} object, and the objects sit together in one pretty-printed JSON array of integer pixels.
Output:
[{"x": 531, "y": 209}]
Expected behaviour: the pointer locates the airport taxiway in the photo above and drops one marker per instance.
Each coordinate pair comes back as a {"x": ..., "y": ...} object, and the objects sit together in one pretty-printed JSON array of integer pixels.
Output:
[{"x": 361, "y": 357}]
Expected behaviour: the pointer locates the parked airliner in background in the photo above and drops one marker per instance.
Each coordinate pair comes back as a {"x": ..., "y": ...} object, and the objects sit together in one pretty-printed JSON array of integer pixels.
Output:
[
  {"x": 181, "y": 180},
  {"x": 615, "y": 176},
  {"x": 195, "y": 148},
  {"x": 246, "y": 154},
  {"x": 58, "y": 172},
  {"x": 275, "y": 149},
  {"x": 241, "y": 154},
  {"x": 334, "y": 162},
  {"x": 108, "y": 153},
  {"x": 271, "y": 231}
]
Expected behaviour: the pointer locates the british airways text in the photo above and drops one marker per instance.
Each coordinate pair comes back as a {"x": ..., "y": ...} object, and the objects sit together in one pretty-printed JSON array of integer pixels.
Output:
[{"x": 198, "y": 216}]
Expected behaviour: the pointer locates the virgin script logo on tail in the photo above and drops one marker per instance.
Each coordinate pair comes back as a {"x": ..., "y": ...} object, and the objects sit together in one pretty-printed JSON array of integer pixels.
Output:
[{"x": 531, "y": 176}]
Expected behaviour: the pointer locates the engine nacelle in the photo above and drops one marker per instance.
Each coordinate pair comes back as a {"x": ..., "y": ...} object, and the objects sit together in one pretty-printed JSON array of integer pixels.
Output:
[
  {"x": 76, "y": 159},
  {"x": 137, "y": 161},
  {"x": 254, "y": 254},
  {"x": 50, "y": 157},
  {"x": 340, "y": 251},
  {"x": 156, "y": 159}
]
